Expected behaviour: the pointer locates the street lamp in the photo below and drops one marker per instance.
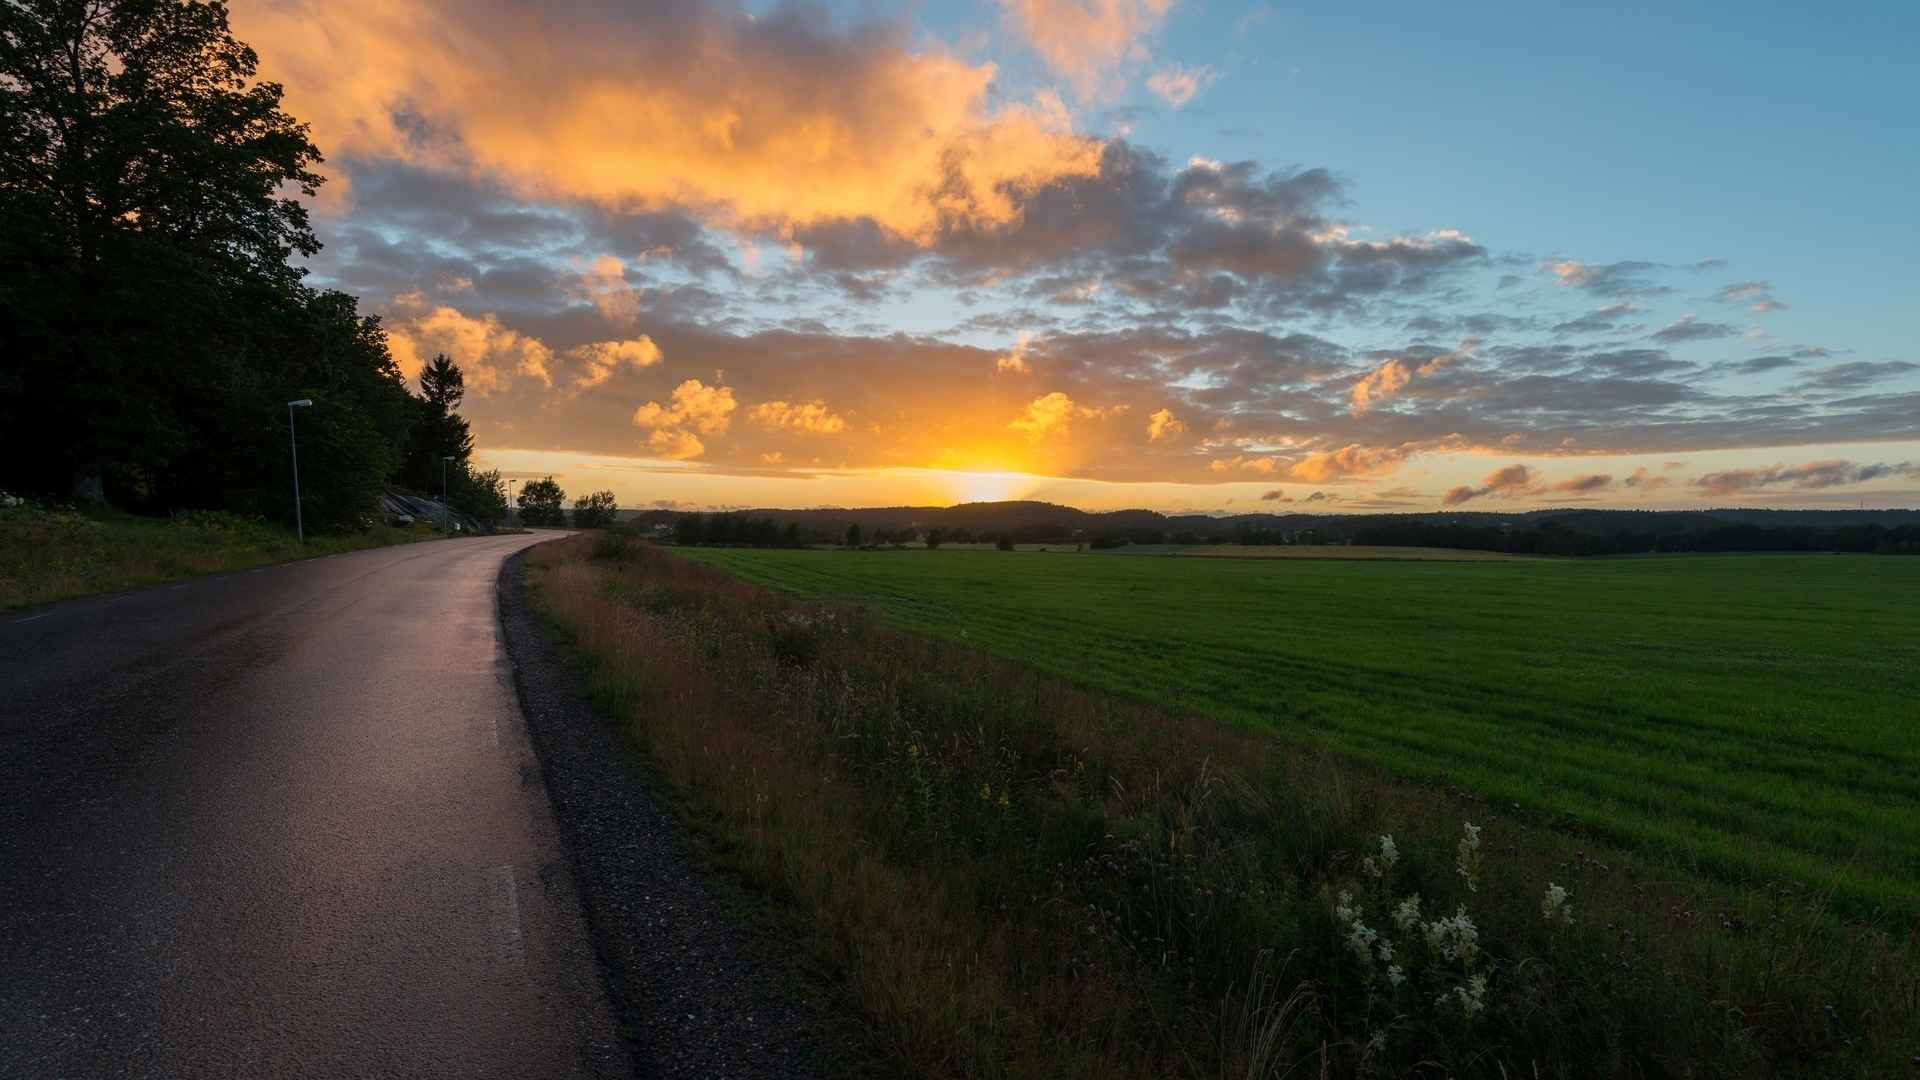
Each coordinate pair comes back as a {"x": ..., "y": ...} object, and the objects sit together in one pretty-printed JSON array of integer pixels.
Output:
[
  {"x": 299, "y": 523},
  {"x": 510, "y": 484},
  {"x": 443, "y": 483}
]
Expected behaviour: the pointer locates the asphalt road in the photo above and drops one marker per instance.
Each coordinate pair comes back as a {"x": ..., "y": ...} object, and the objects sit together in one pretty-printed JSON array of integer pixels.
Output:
[{"x": 286, "y": 822}]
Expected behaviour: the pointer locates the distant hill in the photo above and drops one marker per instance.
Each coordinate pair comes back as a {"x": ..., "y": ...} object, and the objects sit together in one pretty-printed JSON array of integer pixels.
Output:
[{"x": 1553, "y": 531}]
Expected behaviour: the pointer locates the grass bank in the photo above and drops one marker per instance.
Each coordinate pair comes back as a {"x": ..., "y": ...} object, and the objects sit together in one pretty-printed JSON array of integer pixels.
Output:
[
  {"x": 57, "y": 554},
  {"x": 1751, "y": 717},
  {"x": 1014, "y": 876}
]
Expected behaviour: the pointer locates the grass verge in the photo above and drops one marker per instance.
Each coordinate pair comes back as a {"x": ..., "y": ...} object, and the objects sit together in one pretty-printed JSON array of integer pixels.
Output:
[
  {"x": 1016, "y": 877},
  {"x": 48, "y": 555}
]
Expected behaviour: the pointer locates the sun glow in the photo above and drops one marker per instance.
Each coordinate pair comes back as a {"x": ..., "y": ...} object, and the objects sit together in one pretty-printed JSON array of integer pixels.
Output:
[{"x": 989, "y": 486}]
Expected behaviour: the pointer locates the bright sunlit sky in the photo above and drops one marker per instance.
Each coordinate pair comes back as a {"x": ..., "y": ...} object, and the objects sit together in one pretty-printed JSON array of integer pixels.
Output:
[{"x": 1138, "y": 253}]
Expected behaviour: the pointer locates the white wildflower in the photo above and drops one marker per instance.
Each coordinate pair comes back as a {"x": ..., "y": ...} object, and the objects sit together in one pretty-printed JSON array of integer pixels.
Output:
[
  {"x": 1360, "y": 939},
  {"x": 1407, "y": 915},
  {"x": 1386, "y": 951},
  {"x": 1468, "y": 864},
  {"x": 1378, "y": 1042},
  {"x": 1455, "y": 938},
  {"x": 1344, "y": 908},
  {"x": 1395, "y": 974},
  {"x": 1371, "y": 868},
  {"x": 1389, "y": 855},
  {"x": 1555, "y": 906}
]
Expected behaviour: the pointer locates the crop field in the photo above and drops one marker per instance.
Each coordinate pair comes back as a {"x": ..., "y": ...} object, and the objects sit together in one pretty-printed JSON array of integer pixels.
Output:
[
  {"x": 1755, "y": 718},
  {"x": 1345, "y": 551}
]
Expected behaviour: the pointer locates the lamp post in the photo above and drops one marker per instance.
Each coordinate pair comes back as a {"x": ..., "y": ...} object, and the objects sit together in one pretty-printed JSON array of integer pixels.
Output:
[
  {"x": 443, "y": 482},
  {"x": 510, "y": 484},
  {"x": 293, "y": 440}
]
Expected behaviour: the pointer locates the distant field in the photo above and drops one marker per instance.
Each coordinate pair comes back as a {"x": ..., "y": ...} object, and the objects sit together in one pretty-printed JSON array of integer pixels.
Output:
[
  {"x": 1347, "y": 551},
  {"x": 1749, "y": 716}
]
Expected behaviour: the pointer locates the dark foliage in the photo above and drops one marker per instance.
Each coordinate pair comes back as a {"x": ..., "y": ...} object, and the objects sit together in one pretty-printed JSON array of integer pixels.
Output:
[
  {"x": 542, "y": 503},
  {"x": 595, "y": 511},
  {"x": 153, "y": 325}
]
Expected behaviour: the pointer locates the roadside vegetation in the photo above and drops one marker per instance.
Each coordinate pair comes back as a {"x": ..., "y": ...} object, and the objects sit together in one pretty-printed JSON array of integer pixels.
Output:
[
  {"x": 1016, "y": 876},
  {"x": 1747, "y": 717},
  {"x": 55, "y": 553}
]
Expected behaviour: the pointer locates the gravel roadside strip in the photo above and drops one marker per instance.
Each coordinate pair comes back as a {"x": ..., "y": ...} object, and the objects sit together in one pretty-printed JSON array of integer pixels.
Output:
[{"x": 691, "y": 994}]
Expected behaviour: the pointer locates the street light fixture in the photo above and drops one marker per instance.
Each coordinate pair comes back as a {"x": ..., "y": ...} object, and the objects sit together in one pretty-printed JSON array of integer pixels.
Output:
[
  {"x": 443, "y": 485},
  {"x": 293, "y": 439},
  {"x": 510, "y": 483}
]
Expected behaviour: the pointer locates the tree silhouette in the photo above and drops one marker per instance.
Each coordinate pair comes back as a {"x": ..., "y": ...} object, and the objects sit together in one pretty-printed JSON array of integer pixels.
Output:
[{"x": 541, "y": 503}]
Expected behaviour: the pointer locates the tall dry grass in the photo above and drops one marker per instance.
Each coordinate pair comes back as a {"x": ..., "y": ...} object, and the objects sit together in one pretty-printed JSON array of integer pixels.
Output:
[{"x": 1015, "y": 877}]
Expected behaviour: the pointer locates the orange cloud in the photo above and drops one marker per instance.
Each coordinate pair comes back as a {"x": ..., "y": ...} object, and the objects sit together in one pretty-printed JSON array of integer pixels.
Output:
[
  {"x": 1163, "y": 424},
  {"x": 1379, "y": 384},
  {"x": 600, "y": 359},
  {"x": 811, "y": 417},
  {"x": 1046, "y": 417},
  {"x": 1085, "y": 41},
  {"x": 1178, "y": 85},
  {"x": 1324, "y": 466},
  {"x": 1511, "y": 480},
  {"x": 1015, "y": 362},
  {"x": 1647, "y": 481},
  {"x": 694, "y": 407},
  {"x": 486, "y": 350},
  {"x": 604, "y": 285},
  {"x": 1586, "y": 483},
  {"x": 768, "y": 123}
]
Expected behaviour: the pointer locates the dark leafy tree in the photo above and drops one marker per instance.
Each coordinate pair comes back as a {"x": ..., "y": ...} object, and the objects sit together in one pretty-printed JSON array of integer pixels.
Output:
[
  {"x": 935, "y": 537},
  {"x": 143, "y": 213},
  {"x": 542, "y": 503},
  {"x": 482, "y": 495},
  {"x": 853, "y": 535},
  {"x": 595, "y": 511}
]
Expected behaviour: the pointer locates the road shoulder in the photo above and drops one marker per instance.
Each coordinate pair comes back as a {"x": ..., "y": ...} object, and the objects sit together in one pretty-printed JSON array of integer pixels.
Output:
[{"x": 696, "y": 991}]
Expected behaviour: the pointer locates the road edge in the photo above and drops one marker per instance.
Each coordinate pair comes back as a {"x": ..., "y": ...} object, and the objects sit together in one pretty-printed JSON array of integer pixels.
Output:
[{"x": 684, "y": 982}]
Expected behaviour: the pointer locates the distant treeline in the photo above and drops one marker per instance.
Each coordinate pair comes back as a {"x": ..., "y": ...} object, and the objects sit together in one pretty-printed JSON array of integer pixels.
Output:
[{"x": 1565, "y": 532}]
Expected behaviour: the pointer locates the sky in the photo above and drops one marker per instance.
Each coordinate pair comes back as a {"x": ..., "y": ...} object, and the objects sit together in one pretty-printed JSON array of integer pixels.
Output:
[{"x": 1188, "y": 255}]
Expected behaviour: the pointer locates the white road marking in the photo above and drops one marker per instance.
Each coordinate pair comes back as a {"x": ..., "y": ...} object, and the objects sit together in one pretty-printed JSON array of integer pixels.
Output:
[
  {"x": 506, "y": 914},
  {"x": 30, "y": 618}
]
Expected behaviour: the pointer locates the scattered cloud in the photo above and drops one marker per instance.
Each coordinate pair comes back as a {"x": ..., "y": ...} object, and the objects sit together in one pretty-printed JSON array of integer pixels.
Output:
[
  {"x": 1052, "y": 416},
  {"x": 1585, "y": 483},
  {"x": 1379, "y": 384},
  {"x": 1855, "y": 375},
  {"x": 769, "y": 121},
  {"x": 1349, "y": 461},
  {"x": 1087, "y": 42},
  {"x": 811, "y": 417},
  {"x": 1643, "y": 480},
  {"x": 1162, "y": 424},
  {"x": 1756, "y": 295},
  {"x": 1508, "y": 481},
  {"x": 488, "y": 351},
  {"x": 1014, "y": 362},
  {"x": 1811, "y": 476},
  {"x": 600, "y": 359},
  {"x": 694, "y": 407},
  {"x": 1178, "y": 85},
  {"x": 1688, "y": 327}
]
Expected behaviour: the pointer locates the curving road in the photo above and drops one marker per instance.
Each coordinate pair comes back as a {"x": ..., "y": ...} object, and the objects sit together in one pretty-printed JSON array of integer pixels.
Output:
[{"x": 286, "y": 822}]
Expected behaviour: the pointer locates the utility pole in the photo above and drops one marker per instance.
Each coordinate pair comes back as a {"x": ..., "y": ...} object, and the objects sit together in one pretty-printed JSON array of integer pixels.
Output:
[{"x": 293, "y": 439}]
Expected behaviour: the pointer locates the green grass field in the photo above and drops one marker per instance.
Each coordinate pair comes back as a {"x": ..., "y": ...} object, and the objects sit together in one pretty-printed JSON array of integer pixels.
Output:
[{"x": 1755, "y": 718}]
